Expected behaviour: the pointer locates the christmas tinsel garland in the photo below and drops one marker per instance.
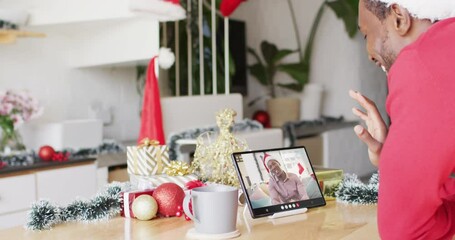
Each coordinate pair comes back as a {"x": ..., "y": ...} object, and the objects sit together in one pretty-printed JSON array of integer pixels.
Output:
[
  {"x": 29, "y": 157},
  {"x": 352, "y": 190},
  {"x": 241, "y": 126},
  {"x": 106, "y": 204}
]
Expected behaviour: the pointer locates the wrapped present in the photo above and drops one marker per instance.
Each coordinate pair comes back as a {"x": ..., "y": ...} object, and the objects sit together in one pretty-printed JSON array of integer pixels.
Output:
[
  {"x": 329, "y": 180},
  {"x": 156, "y": 180},
  {"x": 128, "y": 199},
  {"x": 149, "y": 158}
]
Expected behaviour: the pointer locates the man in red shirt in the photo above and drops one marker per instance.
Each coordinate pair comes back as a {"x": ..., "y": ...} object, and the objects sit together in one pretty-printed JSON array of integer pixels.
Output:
[{"x": 413, "y": 41}]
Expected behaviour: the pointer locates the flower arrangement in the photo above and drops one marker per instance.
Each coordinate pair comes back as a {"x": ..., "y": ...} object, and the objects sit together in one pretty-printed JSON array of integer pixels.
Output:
[{"x": 16, "y": 108}]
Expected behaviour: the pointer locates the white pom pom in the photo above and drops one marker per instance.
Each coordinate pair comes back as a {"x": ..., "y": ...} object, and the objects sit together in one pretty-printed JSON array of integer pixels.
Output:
[
  {"x": 424, "y": 9},
  {"x": 166, "y": 58}
]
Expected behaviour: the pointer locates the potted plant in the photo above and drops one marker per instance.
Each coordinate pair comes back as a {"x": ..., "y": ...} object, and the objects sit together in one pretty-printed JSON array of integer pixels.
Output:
[
  {"x": 299, "y": 71},
  {"x": 281, "y": 109}
]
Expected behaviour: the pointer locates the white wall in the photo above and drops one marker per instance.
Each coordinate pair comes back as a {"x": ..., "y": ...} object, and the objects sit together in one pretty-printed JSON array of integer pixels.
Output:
[
  {"x": 41, "y": 66},
  {"x": 338, "y": 62}
]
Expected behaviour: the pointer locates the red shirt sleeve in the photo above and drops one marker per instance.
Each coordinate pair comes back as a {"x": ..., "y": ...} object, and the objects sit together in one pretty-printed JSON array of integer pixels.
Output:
[{"x": 418, "y": 157}]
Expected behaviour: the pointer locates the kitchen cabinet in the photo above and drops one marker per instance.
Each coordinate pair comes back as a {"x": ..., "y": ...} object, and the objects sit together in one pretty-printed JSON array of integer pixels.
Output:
[
  {"x": 97, "y": 33},
  {"x": 16, "y": 195},
  {"x": 63, "y": 185},
  {"x": 60, "y": 185}
]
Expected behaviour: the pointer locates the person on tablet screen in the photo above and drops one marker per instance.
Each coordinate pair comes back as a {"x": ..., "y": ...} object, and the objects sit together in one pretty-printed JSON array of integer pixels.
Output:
[{"x": 283, "y": 186}]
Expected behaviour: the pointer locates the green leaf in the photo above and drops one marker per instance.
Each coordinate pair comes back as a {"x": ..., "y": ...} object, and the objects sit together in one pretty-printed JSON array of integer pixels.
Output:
[
  {"x": 269, "y": 51},
  {"x": 346, "y": 10},
  {"x": 296, "y": 71},
  {"x": 282, "y": 54},
  {"x": 259, "y": 72},
  {"x": 255, "y": 55}
]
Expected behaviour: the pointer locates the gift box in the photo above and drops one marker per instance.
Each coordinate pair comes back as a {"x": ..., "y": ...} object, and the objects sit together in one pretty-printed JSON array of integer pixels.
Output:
[
  {"x": 128, "y": 199},
  {"x": 329, "y": 180},
  {"x": 156, "y": 180},
  {"x": 147, "y": 159}
]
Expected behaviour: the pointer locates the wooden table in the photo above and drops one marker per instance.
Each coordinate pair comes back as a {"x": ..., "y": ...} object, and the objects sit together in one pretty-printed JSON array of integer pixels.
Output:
[{"x": 334, "y": 221}]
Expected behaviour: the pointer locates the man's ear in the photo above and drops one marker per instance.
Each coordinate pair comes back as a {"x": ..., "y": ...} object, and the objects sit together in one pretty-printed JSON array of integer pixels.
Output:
[{"x": 402, "y": 20}]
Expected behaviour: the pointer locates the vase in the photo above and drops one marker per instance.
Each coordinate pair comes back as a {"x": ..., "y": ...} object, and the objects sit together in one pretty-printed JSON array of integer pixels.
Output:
[
  {"x": 311, "y": 102},
  {"x": 11, "y": 140},
  {"x": 283, "y": 110}
]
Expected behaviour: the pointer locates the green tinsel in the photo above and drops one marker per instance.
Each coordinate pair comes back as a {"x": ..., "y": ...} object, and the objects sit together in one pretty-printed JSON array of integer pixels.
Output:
[
  {"x": 106, "y": 204},
  {"x": 352, "y": 190}
]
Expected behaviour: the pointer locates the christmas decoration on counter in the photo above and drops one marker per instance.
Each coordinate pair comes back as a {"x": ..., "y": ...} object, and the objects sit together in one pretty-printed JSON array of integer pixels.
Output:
[
  {"x": 352, "y": 190},
  {"x": 8, "y": 25},
  {"x": 245, "y": 125},
  {"x": 329, "y": 181},
  {"x": 178, "y": 168},
  {"x": 145, "y": 207},
  {"x": 169, "y": 197},
  {"x": 142, "y": 182},
  {"x": 16, "y": 108},
  {"x": 151, "y": 115},
  {"x": 128, "y": 198},
  {"x": 106, "y": 204},
  {"x": 46, "y": 153},
  {"x": 263, "y": 117},
  {"x": 148, "y": 158},
  {"x": 29, "y": 157},
  {"x": 2, "y": 164},
  {"x": 212, "y": 158}
]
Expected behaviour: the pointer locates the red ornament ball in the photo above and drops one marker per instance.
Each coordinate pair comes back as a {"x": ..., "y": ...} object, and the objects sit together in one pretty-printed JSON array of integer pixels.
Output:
[
  {"x": 46, "y": 152},
  {"x": 169, "y": 197},
  {"x": 263, "y": 117}
]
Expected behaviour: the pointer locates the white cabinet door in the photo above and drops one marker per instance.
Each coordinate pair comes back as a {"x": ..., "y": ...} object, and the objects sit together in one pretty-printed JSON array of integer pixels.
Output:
[
  {"x": 64, "y": 185},
  {"x": 17, "y": 193}
]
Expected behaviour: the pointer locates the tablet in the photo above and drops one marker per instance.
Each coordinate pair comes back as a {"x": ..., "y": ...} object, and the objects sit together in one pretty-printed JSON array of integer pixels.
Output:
[{"x": 277, "y": 180}]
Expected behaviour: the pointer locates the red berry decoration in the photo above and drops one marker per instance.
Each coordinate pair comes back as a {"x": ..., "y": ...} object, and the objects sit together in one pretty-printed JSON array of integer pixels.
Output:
[
  {"x": 169, "y": 197},
  {"x": 263, "y": 117},
  {"x": 46, "y": 152}
]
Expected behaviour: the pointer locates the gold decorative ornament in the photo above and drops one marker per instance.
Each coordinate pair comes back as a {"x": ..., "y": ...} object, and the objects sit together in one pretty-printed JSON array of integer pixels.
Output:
[
  {"x": 146, "y": 142},
  {"x": 178, "y": 168},
  {"x": 212, "y": 158}
]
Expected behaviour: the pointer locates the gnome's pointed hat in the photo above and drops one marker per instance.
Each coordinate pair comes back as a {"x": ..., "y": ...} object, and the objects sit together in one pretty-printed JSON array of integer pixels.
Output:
[
  {"x": 151, "y": 115},
  {"x": 426, "y": 9}
]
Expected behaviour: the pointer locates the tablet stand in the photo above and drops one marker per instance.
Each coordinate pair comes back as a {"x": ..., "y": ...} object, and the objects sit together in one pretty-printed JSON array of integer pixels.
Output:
[
  {"x": 288, "y": 213},
  {"x": 274, "y": 216}
]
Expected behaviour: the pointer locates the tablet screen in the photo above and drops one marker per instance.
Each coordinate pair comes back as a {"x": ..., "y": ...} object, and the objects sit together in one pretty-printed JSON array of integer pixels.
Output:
[{"x": 277, "y": 180}]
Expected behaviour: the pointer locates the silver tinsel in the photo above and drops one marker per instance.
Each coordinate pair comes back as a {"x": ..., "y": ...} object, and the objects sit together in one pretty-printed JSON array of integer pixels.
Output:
[
  {"x": 352, "y": 190},
  {"x": 106, "y": 204}
]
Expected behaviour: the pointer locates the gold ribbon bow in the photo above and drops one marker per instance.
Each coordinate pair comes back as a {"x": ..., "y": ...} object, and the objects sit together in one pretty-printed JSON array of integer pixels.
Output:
[
  {"x": 146, "y": 142},
  {"x": 178, "y": 168}
]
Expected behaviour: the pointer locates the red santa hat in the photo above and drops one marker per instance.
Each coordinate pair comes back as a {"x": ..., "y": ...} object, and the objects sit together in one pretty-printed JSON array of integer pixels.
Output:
[
  {"x": 426, "y": 9},
  {"x": 151, "y": 116}
]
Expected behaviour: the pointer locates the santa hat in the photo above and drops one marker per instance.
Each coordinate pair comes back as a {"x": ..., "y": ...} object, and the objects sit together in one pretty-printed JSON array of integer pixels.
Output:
[
  {"x": 151, "y": 116},
  {"x": 163, "y": 10},
  {"x": 426, "y": 9}
]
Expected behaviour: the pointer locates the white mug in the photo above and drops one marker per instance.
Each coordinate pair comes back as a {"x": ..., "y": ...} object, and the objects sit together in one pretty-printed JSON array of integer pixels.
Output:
[{"x": 214, "y": 208}]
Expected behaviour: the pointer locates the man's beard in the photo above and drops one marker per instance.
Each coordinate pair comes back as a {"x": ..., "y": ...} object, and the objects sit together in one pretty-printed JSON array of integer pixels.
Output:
[{"x": 387, "y": 55}]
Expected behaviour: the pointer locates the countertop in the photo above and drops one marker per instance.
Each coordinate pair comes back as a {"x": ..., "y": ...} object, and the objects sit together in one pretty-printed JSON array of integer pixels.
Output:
[
  {"x": 333, "y": 221},
  {"x": 40, "y": 165}
]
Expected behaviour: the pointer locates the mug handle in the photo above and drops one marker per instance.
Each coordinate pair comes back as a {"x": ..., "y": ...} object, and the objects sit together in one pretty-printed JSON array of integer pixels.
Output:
[{"x": 186, "y": 207}]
